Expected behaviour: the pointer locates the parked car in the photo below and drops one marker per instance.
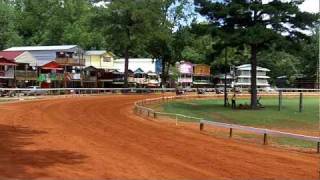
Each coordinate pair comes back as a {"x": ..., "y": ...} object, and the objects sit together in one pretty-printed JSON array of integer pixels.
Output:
[
  {"x": 34, "y": 91},
  {"x": 180, "y": 91},
  {"x": 237, "y": 90},
  {"x": 219, "y": 90},
  {"x": 200, "y": 91},
  {"x": 268, "y": 89},
  {"x": 4, "y": 93}
]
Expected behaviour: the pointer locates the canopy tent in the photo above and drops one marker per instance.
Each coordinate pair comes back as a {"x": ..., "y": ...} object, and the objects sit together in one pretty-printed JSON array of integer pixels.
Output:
[{"x": 52, "y": 66}]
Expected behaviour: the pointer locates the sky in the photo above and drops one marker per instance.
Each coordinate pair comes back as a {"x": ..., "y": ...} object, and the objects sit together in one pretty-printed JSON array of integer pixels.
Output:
[{"x": 312, "y": 6}]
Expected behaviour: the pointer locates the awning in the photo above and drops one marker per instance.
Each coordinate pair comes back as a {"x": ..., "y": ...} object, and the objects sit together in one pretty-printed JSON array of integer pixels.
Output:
[
  {"x": 4, "y": 61},
  {"x": 52, "y": 66}
]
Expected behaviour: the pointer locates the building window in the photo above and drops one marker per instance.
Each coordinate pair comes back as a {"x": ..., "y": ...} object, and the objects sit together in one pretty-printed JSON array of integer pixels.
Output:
[{"x": 106, "y": 59}]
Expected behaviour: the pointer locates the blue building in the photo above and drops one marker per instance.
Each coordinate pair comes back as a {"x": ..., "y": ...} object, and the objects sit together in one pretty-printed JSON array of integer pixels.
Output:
[{"x": 159, "y": 66}]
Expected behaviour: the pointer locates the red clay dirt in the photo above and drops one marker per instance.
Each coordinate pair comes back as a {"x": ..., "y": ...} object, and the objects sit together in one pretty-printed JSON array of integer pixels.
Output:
[{"x": 100, "y": 137}]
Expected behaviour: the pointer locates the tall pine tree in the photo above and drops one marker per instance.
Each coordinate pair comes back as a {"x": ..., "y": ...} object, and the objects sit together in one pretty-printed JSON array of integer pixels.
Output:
[{"x": 257, "y": 23}]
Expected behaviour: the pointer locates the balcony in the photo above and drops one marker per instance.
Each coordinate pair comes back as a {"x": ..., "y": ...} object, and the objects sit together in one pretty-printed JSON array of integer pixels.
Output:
[
  {"x": 26, "y": 75},
  {"x": 70, "y": 61},
  {"x": 185, "y": 80},
  {"x": 9, "y": 74}
]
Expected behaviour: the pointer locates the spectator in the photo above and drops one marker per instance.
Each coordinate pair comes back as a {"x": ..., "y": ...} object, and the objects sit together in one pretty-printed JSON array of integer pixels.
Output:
[{"x": 233, "y": 102}]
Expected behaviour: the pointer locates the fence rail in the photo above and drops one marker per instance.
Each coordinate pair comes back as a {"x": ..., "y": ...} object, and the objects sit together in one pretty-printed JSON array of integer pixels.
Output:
[
  {"x": 154, "y": 89},
  {"x": 140, "y": 109}
]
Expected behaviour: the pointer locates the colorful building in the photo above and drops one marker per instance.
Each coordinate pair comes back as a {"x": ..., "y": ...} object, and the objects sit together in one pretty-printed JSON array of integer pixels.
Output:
[
  {"x": 7, "y": 69},
  {"x": 52, "y": 75},
  {"x": 69, "y": 57},
  {"x": 100, "y": 59},
  {"x": 185, "y": 74},
  {"x": 25, "y": 71},
  {"x": 201, "y": 75}
]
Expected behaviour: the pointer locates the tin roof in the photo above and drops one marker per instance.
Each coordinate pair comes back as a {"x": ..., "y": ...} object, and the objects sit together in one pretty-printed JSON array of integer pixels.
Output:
[
  {"x": 97, "y": 53},
  {"x": 10, "y": 55},
  {"x": 248, "y": 67},
  {"x": 42, "y": 48},
  {"x": 52, "y": 66},
  {"x": 5, "y": 61}
]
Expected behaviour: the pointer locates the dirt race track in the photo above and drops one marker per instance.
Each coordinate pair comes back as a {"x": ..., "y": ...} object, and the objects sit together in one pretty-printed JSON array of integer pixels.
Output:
[{"x": 100, "y": 137}]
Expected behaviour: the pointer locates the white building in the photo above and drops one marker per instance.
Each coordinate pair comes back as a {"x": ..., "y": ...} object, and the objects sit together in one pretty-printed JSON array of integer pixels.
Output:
[
  {"x": 185, "y": 74},
  {"x": 145, "y": 64},
  {"x": 243, "y": 76},
  {"x": 62, "y": 54}
]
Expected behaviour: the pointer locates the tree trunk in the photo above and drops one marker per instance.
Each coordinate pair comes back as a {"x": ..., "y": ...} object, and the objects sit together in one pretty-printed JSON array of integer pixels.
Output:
[
  {"x": 167, "y": 72},
  {"x": 126, "y": 67},
  {"x": 253, "y": 76},
  {"x": 163, "y": 73},
  {"x": 225, "y": 77}
]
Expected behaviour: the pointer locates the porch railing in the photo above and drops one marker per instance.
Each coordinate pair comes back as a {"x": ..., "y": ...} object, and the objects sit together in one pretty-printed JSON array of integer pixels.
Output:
[{"x": 9, "y": 74}]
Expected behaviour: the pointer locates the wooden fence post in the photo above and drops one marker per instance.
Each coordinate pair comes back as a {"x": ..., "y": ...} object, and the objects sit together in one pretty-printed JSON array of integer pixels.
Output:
[
  {"x": 300, "y": 102},
  {"x": 265, "y": 139},
  {"x": 154, "y": 115},
  {"x": 201, "y": 126},
  {"x": 318, "y": 147},
  {"x": 230, "y": 133},
  {"x": 280, "y": 100}
]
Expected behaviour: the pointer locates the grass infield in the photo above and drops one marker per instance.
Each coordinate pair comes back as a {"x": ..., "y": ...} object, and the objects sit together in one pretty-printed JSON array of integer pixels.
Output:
[{"x": 288, "y": 119}]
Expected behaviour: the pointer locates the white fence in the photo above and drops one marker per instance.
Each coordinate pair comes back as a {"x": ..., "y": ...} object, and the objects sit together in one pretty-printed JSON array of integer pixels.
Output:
[
  {"x": 141, "y": 109},
  {"x": 11, "y": 92}
]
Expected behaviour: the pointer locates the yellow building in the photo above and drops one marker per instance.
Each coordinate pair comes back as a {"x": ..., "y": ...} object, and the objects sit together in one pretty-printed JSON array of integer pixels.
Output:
[{"x": 100, "y": 59}]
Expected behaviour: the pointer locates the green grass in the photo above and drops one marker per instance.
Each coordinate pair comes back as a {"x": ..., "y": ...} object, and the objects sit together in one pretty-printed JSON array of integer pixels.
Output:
[
  {"x": 295, "y": 142},
  {"x": 269, "y": 117}
]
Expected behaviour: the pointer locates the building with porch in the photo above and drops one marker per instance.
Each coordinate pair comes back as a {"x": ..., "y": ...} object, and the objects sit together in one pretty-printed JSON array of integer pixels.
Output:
[
  {"x": 201, "y": 76},
  {"x": 7, "y": 68},
  {"x": 185, "y": 74},
  {"x": 25, "y": 71},
  {"x": 243, "y": 76},
  {"x": 69, "y": 57},
  {"x": 100, "y": 59}
]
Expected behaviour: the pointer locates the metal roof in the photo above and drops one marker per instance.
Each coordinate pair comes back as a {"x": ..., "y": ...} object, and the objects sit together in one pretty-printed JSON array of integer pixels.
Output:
[
  {"x": 42, "y": 48},
  {"x": 10, "y": 55},
  {"x": 248, "y": 67},
  {"x": 98, "y": 53},
  {"x": 4, "y": 61}
]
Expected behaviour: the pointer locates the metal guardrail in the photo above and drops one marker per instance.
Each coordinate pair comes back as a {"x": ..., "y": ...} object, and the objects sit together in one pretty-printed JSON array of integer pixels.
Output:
[
  {"x": 140, "y": 108},
  {"x": 11, "y": 92},
  {"x": 106, "y": 89},
  {"x": 154, "y": 89}
]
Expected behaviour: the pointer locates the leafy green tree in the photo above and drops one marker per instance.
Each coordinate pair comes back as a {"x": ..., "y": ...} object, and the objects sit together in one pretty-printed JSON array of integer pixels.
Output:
[
  {"x": 309, "y": 57},
  {"x": 57, "y": 22},
  {"x": 8, "y": 32},
  {"x": 280, "y": 63},
  {"x": 168, "y": 38},
  {"x": 125, "y": 25},
  {"x": 257, "y": 25}
]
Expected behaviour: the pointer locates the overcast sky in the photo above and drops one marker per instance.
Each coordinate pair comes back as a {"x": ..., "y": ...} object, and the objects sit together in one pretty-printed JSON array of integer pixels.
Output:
[{"x": 310, "y": 6}]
